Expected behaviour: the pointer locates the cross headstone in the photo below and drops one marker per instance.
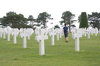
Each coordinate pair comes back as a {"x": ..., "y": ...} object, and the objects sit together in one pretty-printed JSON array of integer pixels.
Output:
[
  {"x": 83, "y": 31},
  {"x": 52, "y": 33},
  {"x": 57, "y": 33},
  {"x": 1, "y": 32},
  {"x": 4, "y": 33},
  {"x": 30, "y": 32},
  {"x": 15, "y": 33},
  {"x": 73, "y": 32},
  {"x": 37, "y": 32},
  {"x": 88, "y": 32},
  {"x": 9, "y": 30},
  {"x": 61, "y": 33},
  {"x": 77, "y": 35},
  {"x": 40, "y": 38},
  {"x": 96, "y": 31},
  {"x": 24, "y": 34}
]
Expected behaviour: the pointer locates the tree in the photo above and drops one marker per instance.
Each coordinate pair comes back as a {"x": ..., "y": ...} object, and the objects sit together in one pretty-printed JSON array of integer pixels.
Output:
[
  {"x": 43, "y": 18},
  {"x": 56, "y": 26},
  {"x": 94, "y": 19},
  {"x": 83, "y": 20},
  {"x": 67, "y": 17},
  {"x": 14, "y": 20},
  {"x": 31, "y": 19},
  {"x": 0, "y": 21}
]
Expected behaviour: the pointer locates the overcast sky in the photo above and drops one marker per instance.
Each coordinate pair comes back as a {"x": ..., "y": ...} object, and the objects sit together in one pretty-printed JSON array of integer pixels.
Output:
[{"x": 53, "y": 7}]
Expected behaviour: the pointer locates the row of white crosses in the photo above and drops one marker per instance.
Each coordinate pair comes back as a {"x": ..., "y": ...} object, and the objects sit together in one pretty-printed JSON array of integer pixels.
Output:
[
  {"x": 78, "y": 32},
  {"x": 15, "y": 32},
  {"x": 41, "y": 35},
  {"x": 9, "y": 31},
  {"x": 3, "y": 32},
  {"x": 88, "y": 31},
  {"x": 92, "y": 31},
  {"x": 59, "y": 33},
  {"x": 24, "y": 33}
]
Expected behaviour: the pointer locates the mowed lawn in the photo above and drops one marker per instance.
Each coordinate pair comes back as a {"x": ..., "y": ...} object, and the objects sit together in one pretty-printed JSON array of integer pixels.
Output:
[{"x": 61, "y": 54}]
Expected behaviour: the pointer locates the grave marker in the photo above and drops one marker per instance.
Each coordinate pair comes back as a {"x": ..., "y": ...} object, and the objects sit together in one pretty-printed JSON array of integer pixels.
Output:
[
  {"x": 1, "y": 32},
  {"x": 96, "y": 31},
  {"x": 15, "y": 33},
  {"x": 88, "y": 31},
  {"x": 57, "y": 33},
  {"x": 4, "y": 33},
  {"x": 24, "y": 34},
  {"x": 77, "y": 35},
  {"x": 9, "y": 30},
  {"x": 52, "y": 33},
  {"x": 40, "y": 38}
]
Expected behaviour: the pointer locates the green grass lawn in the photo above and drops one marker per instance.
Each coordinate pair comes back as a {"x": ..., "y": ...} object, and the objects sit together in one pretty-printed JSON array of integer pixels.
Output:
[{"x": 61, "y": 54}]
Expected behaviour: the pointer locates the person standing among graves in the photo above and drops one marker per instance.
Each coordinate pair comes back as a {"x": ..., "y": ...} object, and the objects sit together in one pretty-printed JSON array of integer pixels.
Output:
[{"x": 65, "y": 30}]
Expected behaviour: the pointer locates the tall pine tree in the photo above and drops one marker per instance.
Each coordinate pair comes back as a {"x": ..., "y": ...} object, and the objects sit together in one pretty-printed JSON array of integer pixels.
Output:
[{"x": 83, "y": 20}]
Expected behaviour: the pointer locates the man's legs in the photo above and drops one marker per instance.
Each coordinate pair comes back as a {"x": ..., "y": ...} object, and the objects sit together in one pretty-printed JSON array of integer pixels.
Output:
[{"x": 66, "y": 37}]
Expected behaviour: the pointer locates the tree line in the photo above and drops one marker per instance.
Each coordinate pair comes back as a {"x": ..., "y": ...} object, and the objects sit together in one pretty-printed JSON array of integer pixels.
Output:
[{"x": 15, "y": 20}]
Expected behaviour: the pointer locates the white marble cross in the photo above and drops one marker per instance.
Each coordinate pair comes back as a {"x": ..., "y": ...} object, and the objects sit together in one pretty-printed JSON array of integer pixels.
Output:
[
  {"x": 1, "y": 32},
  {"x": 96, "y": 31},
  {"x": 4, "y": 33},
  {"x": 61, "y": 33},
  {"x": 37, "y": 32},
  {"x": 40, "y": 38},
  {"x": 24, "y": 34},
  {"x": 30, "y": 31},
  {"x": 52, "y": 33},
  {"x": 77, "y": 35},
  {"x": 15, "y": 33},
  {"x": 57, "y": 33},
  {"x": 8, "y": 32},
  {"x": 83, "y": 31},
  {"x": 88, "y": 32}
]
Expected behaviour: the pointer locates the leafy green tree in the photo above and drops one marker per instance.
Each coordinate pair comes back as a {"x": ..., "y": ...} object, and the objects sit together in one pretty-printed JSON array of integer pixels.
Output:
[
  {"x": 67, "y": 17},
  {"x": 43, "y": 18},
  {"x": 83, "y": 20},
  {"x": 14, "y": 20},
  {"x": 94, "y": 19}
]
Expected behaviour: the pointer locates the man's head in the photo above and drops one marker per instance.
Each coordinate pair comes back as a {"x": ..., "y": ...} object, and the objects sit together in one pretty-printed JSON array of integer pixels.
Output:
[{"x": 65, "y": 24}]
